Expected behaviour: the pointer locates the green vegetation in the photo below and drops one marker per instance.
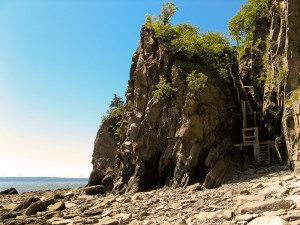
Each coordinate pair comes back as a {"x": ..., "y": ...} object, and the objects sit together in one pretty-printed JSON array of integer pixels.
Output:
[
  {"x": 242, "y": 25},
  {"x": 114, "y": 116},
  {"x": 280, "y": 76},
  {"x": 163, "y": 91},
  {"x": 196, "y": 81},
  {"x": 168, "y": 10},
  {"x": 186, "y": 42}
]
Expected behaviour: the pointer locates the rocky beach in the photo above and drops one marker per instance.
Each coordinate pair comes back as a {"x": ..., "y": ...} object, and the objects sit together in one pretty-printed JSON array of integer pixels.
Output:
[{"x": 258, "y": 195}]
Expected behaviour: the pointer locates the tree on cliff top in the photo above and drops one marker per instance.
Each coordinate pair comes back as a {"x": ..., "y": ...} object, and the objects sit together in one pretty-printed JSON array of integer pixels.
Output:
[
  {"x": 116, "y": 102},
  {"x": 114, "y": 116},
  {"x": 168, "y": 10}
]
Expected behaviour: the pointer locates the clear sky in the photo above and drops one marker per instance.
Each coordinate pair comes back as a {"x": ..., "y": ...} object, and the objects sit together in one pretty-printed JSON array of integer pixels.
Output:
[{"x": 61, "y": 61}]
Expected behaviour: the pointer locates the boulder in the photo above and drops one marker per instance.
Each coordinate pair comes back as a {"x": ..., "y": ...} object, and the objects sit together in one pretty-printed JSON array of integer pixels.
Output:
[
  {"x": 26, "y": 203},
  {"x": 35, "y": 207},
  {"x": 220, "y": 173},
  {"x": 96, "y": 177},
  {"x": 94, "y": 190},
  {"x": 9, "y": 191}
]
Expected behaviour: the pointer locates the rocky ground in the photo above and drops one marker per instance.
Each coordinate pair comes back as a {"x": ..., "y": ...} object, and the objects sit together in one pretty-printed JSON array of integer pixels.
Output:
[{"x": 264, "y": 195}]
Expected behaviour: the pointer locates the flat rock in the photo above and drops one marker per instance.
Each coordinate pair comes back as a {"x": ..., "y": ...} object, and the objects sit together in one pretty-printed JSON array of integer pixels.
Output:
[
  {"x": 295, "y": 199},
  {"x": 267, "y": 205},
  {"x": 242, "y": 199},
  {"x": 108, "y": 221},
  {"x": 93, "y": 212},
  {"x": 268, "y": 220},
  {"x": 62, "y": 222},
  {"x": 270, "y": 190},
  {"x": 195, "y": 187},
  {"x": 245, "y": 217},
  {"x": 56, "y": 206},
  {"x": 224, "y": 214}
]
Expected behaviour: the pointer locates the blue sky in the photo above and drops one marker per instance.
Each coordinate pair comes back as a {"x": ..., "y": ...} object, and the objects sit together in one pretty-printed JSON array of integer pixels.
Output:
[{"x": 61, "y": 61}]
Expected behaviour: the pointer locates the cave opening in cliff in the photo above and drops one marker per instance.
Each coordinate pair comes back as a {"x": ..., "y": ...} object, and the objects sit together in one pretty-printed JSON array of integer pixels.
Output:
[
  {"x": 201, "y": 170},
  {"x": 149, "y": 178}
]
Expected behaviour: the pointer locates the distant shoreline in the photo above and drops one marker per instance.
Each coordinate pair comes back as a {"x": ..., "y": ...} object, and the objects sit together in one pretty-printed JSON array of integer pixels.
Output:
[{"x": 41, "y": 179}]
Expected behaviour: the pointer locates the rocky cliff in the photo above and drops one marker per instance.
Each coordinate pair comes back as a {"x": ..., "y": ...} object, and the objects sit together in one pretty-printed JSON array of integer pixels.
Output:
[
  {"x": 188, "y": 138},
  {"x": 271, "y": 65},
  {"x": 176, "y": 140}
]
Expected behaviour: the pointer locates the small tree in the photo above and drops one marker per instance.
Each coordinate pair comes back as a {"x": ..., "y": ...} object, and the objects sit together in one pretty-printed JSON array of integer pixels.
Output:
[
  {"x": 114, "y": 115},
  {"x": 116, "y": 102},
  {"x": 163, "y": 91},
  {"x": 167, "y": 11}
]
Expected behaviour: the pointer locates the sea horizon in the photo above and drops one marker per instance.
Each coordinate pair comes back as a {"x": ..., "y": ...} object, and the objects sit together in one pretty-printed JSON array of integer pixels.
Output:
[{"x": 27, "y": 184}]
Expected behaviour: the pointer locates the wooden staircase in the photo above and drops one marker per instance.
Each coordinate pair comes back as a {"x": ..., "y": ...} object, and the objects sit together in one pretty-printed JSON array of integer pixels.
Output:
[
  {"x": 264, "y": 152},
  {"x": 252, "y": 123}
]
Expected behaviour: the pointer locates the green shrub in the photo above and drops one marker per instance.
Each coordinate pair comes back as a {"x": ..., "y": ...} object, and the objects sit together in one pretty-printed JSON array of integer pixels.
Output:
[
  {"x": 163, "y": 91},
  {"x": 196, "y": 81},
  {"x": 114, "y": 115},
  {"x": 185, "y": 41},
  {"x": 246, "y": 19}
]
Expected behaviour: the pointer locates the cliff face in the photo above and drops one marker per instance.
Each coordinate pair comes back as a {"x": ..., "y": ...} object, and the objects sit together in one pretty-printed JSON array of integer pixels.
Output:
[
  {"x": 170, "y": 141},
  {"x": 184, "y": 139},
  {"x": 273, "y": 67}
]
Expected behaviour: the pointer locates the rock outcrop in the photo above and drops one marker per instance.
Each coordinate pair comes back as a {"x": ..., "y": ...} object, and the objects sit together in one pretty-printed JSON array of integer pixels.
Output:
[
  {"x": 271, "y": 65},
  {"x": 185, "y": 139},
  {"x": 169, "y": 141}
]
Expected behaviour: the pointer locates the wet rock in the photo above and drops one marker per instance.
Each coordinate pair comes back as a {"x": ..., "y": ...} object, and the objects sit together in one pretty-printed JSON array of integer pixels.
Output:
[{"x": 10, "y": 191}]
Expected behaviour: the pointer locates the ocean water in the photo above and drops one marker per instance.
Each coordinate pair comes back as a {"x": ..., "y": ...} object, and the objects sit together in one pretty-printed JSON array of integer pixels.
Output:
[{"x": 26, "y": 184}]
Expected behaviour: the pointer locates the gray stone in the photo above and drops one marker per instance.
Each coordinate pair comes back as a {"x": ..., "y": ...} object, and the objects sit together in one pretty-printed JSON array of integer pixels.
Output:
[
  {"x": 56, "y": 206},
  {"x": 35, "y": 207},
  {"x": 268, "y": 220},
  {"x": 267, "y": 205},
  {"x": 94, "y": 190}
]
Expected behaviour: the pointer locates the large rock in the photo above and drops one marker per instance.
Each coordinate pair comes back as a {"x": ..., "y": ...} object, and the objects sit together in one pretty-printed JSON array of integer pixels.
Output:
[
  {"x": 94, "y": 190},
  {"x": 26, "y": 203},
  {"x": 96, "y": 177},
  {"x": 9, "y": 191},
  {"x": 267, "y": 205},
  {"x": 35, "y": 207}
]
